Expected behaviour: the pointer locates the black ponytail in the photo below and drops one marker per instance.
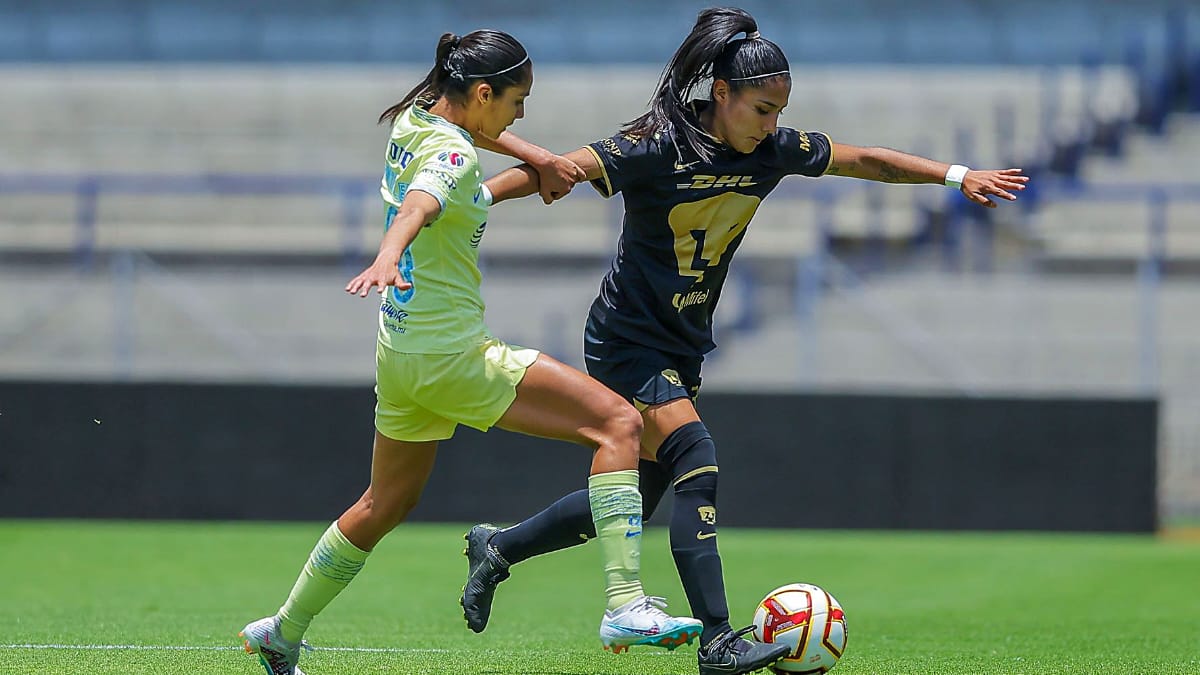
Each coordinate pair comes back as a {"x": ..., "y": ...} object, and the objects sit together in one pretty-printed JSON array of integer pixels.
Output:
[
  {"x": 487, "y": 55},
  {"x": 711, "y": 51}
]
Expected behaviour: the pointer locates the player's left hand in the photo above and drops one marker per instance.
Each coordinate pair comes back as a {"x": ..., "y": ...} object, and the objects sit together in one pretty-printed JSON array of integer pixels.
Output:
[
  {"x": 556, "y": 176},
  {"x": 978, "y": 185}
]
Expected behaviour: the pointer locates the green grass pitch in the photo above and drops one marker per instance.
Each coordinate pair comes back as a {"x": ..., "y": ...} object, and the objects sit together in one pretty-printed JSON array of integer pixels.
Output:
[{"x": 127, "y": 598}]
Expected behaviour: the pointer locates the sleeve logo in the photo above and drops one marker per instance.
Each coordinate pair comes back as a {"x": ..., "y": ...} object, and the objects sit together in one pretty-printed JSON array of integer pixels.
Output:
[
  {"x": 452, "y": 158},
  {"x": 610, "y": 146}
]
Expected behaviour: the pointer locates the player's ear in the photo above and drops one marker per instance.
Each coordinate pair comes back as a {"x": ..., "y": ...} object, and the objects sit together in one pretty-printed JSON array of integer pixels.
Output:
[
  {"x": 720, "y": 91},
  {"x": 484, "y": 93}
]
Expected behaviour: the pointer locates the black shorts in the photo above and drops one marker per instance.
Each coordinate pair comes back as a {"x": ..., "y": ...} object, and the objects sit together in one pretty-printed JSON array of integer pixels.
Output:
[{"x": 640, "y": 374}]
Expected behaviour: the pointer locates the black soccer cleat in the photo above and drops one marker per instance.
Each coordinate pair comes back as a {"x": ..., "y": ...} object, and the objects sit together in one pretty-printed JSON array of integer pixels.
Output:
[
  {"x": 731, "y": 654},
  {"x": 485, "y": 570}
]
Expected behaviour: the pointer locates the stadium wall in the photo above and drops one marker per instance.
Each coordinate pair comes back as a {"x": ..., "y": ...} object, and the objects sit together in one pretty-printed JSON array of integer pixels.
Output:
[
  {"x": 264, "y": 452},
  {"x": 790, "y": 460}
]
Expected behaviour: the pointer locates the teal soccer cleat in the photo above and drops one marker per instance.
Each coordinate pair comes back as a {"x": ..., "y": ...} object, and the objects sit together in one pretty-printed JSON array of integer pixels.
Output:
[
  {"x": 643, "y": 622},
  {"x": 277, "y": 655}
]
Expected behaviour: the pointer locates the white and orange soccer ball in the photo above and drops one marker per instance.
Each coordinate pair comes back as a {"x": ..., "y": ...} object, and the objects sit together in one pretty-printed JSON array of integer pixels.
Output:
[{"x": 807, "y": 619}]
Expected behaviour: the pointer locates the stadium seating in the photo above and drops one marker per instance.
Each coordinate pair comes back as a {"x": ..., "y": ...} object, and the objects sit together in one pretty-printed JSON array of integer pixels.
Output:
[
  {"x": 1021, "y": 32},
  {"x": 1082, "y": 231},
  {"x": 301, "y": 122}
]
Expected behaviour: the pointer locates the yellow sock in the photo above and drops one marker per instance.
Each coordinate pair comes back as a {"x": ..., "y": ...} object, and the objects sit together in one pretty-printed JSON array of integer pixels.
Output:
[
  {"x": 617, "y": 512},
  {"x": 330, "y": 567}
]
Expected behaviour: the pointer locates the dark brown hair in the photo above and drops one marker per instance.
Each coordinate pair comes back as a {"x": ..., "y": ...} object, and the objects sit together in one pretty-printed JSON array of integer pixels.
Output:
[
  {"x": 488, "y": 55},
  {"x": 709, "y": 51}
]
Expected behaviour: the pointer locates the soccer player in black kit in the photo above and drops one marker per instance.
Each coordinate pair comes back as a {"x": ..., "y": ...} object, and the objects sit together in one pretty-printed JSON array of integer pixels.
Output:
[{"x": 692, "y": 172}]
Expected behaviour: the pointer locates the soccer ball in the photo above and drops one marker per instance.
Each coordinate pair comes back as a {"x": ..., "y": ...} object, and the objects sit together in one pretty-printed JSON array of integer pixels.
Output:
[{"x": 807, "y": 619}]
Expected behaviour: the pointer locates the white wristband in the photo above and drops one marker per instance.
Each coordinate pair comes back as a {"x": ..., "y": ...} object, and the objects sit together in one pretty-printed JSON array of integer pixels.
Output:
[
  {"x": 487, "y": 194},
  {"x": 955, "y": 175}
]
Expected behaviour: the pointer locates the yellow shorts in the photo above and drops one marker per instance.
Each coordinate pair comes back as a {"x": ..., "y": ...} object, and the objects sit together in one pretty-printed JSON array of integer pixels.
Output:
[{"x": 423, "y": 397}]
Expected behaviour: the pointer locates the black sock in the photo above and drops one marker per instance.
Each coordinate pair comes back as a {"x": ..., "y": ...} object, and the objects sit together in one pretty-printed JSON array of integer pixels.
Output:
[
  {"x": 565, "y": 523},
  {"x": 697, "y": 559},
  {"x": 568, "y": 521},
  {"x": 653, "y": 480},
  {"x": 693, "y": 526}
]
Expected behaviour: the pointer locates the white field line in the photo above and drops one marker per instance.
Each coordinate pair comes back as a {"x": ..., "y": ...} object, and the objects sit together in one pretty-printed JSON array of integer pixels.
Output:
[
  {"x": 223, "y": 648},
  {"x": 184, "y": 648}
]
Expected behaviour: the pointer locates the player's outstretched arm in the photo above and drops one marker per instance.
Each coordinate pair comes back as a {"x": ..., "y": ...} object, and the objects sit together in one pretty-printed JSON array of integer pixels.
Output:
[
  {"x": 523, "y": 180},
  {"x": 892, "y": 166},
  {"x": 556, "y": 174},
  {"x": 417, "y": 209}
]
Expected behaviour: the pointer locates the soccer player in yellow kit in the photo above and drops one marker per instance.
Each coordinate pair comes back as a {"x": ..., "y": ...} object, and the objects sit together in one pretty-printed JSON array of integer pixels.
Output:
[{"x": 438, "y": 366}]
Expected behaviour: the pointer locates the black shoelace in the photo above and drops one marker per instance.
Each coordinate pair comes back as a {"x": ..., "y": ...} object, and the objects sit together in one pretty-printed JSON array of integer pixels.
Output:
[{"x": 730, "y": 641}]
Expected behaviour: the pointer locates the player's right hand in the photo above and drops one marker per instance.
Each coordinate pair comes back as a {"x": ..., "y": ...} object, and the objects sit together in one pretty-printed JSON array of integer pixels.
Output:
[
  {"x": 556, "y": 178},
  {"x": 381, "y": 274}
]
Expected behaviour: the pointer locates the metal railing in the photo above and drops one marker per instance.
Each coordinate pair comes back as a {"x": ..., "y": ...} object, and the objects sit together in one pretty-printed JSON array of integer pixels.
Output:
[
  {"x": 817, "y": 272},
  {"x": 87, "y": 190}
]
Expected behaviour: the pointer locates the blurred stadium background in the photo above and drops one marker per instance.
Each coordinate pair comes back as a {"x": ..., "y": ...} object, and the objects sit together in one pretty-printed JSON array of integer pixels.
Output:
[{"x": 186, "y": 186}]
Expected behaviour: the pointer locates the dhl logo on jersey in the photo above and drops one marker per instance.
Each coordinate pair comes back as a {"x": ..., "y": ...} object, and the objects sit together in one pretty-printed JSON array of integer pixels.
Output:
[{"x": 703, "y": 182}]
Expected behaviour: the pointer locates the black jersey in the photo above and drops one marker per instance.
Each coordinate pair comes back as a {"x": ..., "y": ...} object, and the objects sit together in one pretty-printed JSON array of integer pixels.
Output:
[{"x": 684, "y": 219}]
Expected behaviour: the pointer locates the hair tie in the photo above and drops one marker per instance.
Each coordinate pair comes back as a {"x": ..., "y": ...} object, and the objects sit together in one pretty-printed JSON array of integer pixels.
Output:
[{"x": 752, "y": 35}]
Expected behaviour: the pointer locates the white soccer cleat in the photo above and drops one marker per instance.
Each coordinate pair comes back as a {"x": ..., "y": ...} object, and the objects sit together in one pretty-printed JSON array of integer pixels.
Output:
[
  {"x": 277, "y": 655},
  {"x": 643, "y": 622}
]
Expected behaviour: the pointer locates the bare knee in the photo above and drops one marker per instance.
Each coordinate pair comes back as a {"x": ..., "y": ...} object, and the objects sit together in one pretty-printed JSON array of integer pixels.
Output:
[
  {"x": 621, "y": 433},
  {"x": 629, "y": 426},
  {"x": 398, "y": 511},
  {"x": 387, "y": 513}
]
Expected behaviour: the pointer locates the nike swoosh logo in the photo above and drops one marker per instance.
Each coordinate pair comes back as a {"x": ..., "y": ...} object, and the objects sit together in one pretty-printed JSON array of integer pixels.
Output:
[
  {"x": 684, "y": 167},
  {"x": 701, "y": 535},
  {"x": 654, "y": 630},
  {"x": 729, "y": 665}
]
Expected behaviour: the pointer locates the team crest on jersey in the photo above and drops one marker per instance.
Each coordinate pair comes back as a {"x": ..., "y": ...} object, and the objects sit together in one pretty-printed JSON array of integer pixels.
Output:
[
  {"x": 452, "y": 158},
  {"x": 672, "y": 376}
]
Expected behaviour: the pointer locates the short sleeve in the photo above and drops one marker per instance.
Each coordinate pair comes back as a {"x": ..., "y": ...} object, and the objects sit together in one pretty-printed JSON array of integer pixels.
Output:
[
  {"x": 806, "y": 153},
  {"x": 441, "y": 174},
  {"x": 624, "y": 160}
]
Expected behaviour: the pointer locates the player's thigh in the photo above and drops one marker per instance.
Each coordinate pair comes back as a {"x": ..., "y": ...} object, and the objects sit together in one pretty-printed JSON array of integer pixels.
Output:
[
  {"x": 400, "y": 469},
  {"x": 661, "y": 420},
  {"x": 661, "y": 386},
  {"x": 557, "y": 401}
]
